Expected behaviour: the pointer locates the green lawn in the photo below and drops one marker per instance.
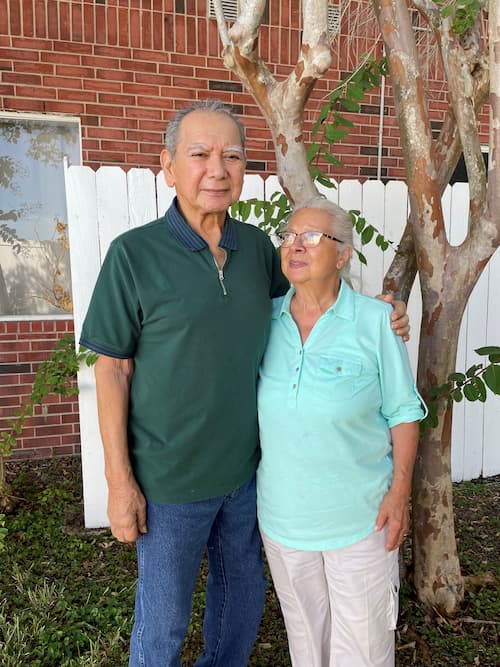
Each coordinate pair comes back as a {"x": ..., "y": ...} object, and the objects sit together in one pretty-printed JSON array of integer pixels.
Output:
[{"x": 66, "y": 594}]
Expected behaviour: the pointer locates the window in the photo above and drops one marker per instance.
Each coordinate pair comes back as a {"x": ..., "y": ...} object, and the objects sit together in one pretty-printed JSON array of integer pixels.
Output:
[
  {"x": 460, "y": 173},
  {"x": 34, "y": 256}
]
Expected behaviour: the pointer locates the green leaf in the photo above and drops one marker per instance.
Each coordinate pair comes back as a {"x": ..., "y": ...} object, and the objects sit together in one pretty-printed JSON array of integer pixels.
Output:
[
  {"x": 329, "y": 157},
  {"x": 457, "y": 377},
  {"x": 360, "y": 224},
  {"x": 349, "y": 105},
  {"x": 355, "y": 92},
  {"x": 492, "y": 378},
  {"x": 489, "y": 349},
  {"x": 362, "y": 258},
  {"x": 335, "y": 94},
  {"x": 325, "y": 181},
  {"x": 470, "y": 372},
  {"x": 480, "y": 388},
  {"x": 312, "y": 151},
  {"x": 367, "y": 234},
  {"x": 457, "y": 395},
  {"x": 333, "y": 134},
  {"x": 492, "y": 351},
  {"x": 447, "y": 11}
]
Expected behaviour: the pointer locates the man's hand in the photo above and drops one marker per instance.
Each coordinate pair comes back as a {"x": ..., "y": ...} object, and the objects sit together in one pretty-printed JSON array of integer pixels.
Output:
[
  {"x": 400, "y": 322},
  {"x": 393, "y": 511},
  {"x": 126, "y": 511}
]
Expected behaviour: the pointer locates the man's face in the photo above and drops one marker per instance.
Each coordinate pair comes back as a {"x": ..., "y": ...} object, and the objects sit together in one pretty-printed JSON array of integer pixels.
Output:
[{"x": 208, "y": 167}]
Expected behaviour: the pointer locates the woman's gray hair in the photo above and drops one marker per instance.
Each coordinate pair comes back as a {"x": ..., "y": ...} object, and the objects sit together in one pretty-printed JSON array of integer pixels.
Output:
[
  {"x": 210, "y": 106},
  {"x": 341, "y": 223}
]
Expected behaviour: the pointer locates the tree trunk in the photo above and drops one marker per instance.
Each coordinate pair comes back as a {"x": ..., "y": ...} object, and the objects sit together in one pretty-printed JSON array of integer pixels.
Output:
[{"x": 436, "y": 568}]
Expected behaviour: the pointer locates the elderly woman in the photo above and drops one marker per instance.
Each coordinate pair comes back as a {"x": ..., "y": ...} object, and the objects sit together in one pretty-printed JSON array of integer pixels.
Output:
[{"x": 338, "y": 413}]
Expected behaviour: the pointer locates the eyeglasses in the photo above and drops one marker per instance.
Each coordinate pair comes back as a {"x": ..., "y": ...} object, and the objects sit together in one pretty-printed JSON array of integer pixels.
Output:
[{"x": 308, "y": 239}]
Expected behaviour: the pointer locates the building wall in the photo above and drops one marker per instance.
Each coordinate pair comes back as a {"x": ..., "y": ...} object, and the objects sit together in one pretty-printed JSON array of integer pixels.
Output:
[
  {"x": 54, "y": 430},
  {"x": 124, "y": 67}
]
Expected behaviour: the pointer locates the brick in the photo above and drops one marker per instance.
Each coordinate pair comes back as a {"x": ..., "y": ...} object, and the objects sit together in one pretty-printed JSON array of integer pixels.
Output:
[
  {"x": 62, "y": 82},
  {"x": 104, "y": 110},
  {"x": 75, "y": 72},
  {"x": 72, "y": 47},
  {"x": 113, "y": 98},
  {"x": 112, "y": 74},
  {"x": 34, "y": 67},
  {"x": 4, "y": 19},
  {"x": 56, "y": 58},
  {"x": 40, "y": 18},
  {"x": 76, "y": 22},
  {"x": 77, "y": 95},
  {"x": 112, "y": 25},
  {"x": 7, "y": 91},
  {"x": 28, "y": 18},
  {"x": 138, "y": 66},
  {"x": 123, "y": 27},
  {"x": 136, "y": 112},
  {"x": 63, "y": 450},
  {"x": 15, "y": 17}
]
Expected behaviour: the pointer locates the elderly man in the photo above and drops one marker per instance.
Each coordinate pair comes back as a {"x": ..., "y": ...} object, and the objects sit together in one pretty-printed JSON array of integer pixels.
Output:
[{"x": 180, "y": 317}]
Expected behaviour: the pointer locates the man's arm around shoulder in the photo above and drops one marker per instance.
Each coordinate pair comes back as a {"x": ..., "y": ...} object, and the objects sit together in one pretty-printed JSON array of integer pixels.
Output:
[{"x": 126, "y": 503}]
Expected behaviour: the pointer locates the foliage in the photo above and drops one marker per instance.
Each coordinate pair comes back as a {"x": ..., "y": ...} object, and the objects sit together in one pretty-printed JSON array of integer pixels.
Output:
[
  {"x": 275, "y": 211},
  {"x": 67, "y": 593},
  {"x": 332, "y": 123},
  {"x": 464, "y": 13},
  {"x": 471, "y": 385},
  {"x": 333, "y": 127},
  {"x": 55, "y": 375}
]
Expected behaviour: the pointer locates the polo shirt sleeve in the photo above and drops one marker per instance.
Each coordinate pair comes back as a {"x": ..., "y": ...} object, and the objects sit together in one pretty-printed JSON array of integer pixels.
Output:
[
  {"x": 401, "y": 402},
  {"x": 113, "y": 321}
]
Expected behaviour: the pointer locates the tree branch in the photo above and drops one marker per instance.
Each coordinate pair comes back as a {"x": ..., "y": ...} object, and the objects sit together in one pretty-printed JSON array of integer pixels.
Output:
[{"x": 283, "y": 103}]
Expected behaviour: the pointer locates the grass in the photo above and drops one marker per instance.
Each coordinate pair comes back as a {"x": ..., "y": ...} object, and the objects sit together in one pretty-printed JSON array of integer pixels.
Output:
[{"x": 66, "y": 593}]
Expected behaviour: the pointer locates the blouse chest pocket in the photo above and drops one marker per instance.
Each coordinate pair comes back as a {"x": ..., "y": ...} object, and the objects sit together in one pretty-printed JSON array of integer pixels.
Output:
[{"x": 337, "y": 377}]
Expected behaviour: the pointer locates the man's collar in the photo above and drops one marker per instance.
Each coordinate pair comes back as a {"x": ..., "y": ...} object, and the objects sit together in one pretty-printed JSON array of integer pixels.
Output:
[
  {"x": 187, "y": 237},
  {"x": 343, "y": 306}
]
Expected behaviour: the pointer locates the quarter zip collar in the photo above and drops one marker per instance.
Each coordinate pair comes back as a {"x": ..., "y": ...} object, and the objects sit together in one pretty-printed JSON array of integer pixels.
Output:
[{"x": 187, "y": 237}]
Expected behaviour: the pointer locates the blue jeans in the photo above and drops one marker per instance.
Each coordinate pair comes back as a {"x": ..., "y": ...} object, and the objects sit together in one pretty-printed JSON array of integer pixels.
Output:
[{"x": 169, "y": 557}]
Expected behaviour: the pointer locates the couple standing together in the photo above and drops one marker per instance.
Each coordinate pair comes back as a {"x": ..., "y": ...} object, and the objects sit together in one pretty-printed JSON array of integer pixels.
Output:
[{"x": 198, "y": 331}]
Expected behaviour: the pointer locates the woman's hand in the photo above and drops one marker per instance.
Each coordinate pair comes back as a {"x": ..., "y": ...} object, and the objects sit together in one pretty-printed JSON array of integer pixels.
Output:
[{"x": 394, "y": 512}]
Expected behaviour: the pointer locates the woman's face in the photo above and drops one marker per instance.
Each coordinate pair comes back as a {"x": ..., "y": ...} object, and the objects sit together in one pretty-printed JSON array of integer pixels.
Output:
[{"x": 321, "y": 264}]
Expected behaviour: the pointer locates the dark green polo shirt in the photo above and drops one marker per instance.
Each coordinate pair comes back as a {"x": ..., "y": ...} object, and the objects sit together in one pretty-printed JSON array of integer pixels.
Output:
[{"x": 158, "y": 299}]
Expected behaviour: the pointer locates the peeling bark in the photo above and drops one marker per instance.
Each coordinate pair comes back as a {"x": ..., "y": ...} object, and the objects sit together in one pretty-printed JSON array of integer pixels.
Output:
[
  {"x": 282, "y": 102},
  {"x": 447, "y": 274}
]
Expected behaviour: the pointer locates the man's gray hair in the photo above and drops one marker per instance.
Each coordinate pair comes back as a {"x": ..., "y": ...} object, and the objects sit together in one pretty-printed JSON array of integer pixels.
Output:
[
  {"x": 341, "y": 222},
  {"x": 211, "y": 106}
]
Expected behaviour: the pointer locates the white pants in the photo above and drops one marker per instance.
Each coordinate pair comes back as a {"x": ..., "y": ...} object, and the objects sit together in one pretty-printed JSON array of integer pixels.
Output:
[{"x": 340, "y": 606}]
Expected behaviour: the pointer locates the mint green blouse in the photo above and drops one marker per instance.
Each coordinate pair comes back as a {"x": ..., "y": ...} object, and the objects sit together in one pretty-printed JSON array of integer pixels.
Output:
[{"x": 325, "y": 413}]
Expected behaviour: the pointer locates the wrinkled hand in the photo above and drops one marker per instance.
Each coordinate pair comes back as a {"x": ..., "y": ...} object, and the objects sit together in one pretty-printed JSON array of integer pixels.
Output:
[
  {"x": 126, "y": 511},
  {"x": 393, "y": 511},
  {"x": 400, "y": 322}
]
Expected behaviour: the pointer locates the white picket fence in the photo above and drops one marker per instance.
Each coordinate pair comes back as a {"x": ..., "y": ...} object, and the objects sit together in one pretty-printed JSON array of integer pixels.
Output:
[{"x": 105, "y": 203}]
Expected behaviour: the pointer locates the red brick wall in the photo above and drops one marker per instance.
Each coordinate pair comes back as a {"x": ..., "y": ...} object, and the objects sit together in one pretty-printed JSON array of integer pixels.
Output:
[
  {"x": 54, "y": 430},
  {"x": 123, "y": 67}
]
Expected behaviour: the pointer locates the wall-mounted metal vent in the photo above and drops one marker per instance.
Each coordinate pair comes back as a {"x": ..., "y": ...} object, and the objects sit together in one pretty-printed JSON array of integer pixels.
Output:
[{"x": 229, "y": 9}]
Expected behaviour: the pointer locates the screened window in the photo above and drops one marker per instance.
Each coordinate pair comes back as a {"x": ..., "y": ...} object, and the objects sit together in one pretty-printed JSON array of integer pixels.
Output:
[{"x": 34, "y": 255}]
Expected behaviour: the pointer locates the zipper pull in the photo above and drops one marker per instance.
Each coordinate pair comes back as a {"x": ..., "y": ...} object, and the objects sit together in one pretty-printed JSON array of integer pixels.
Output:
[{"x": 221, "y": 280}]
